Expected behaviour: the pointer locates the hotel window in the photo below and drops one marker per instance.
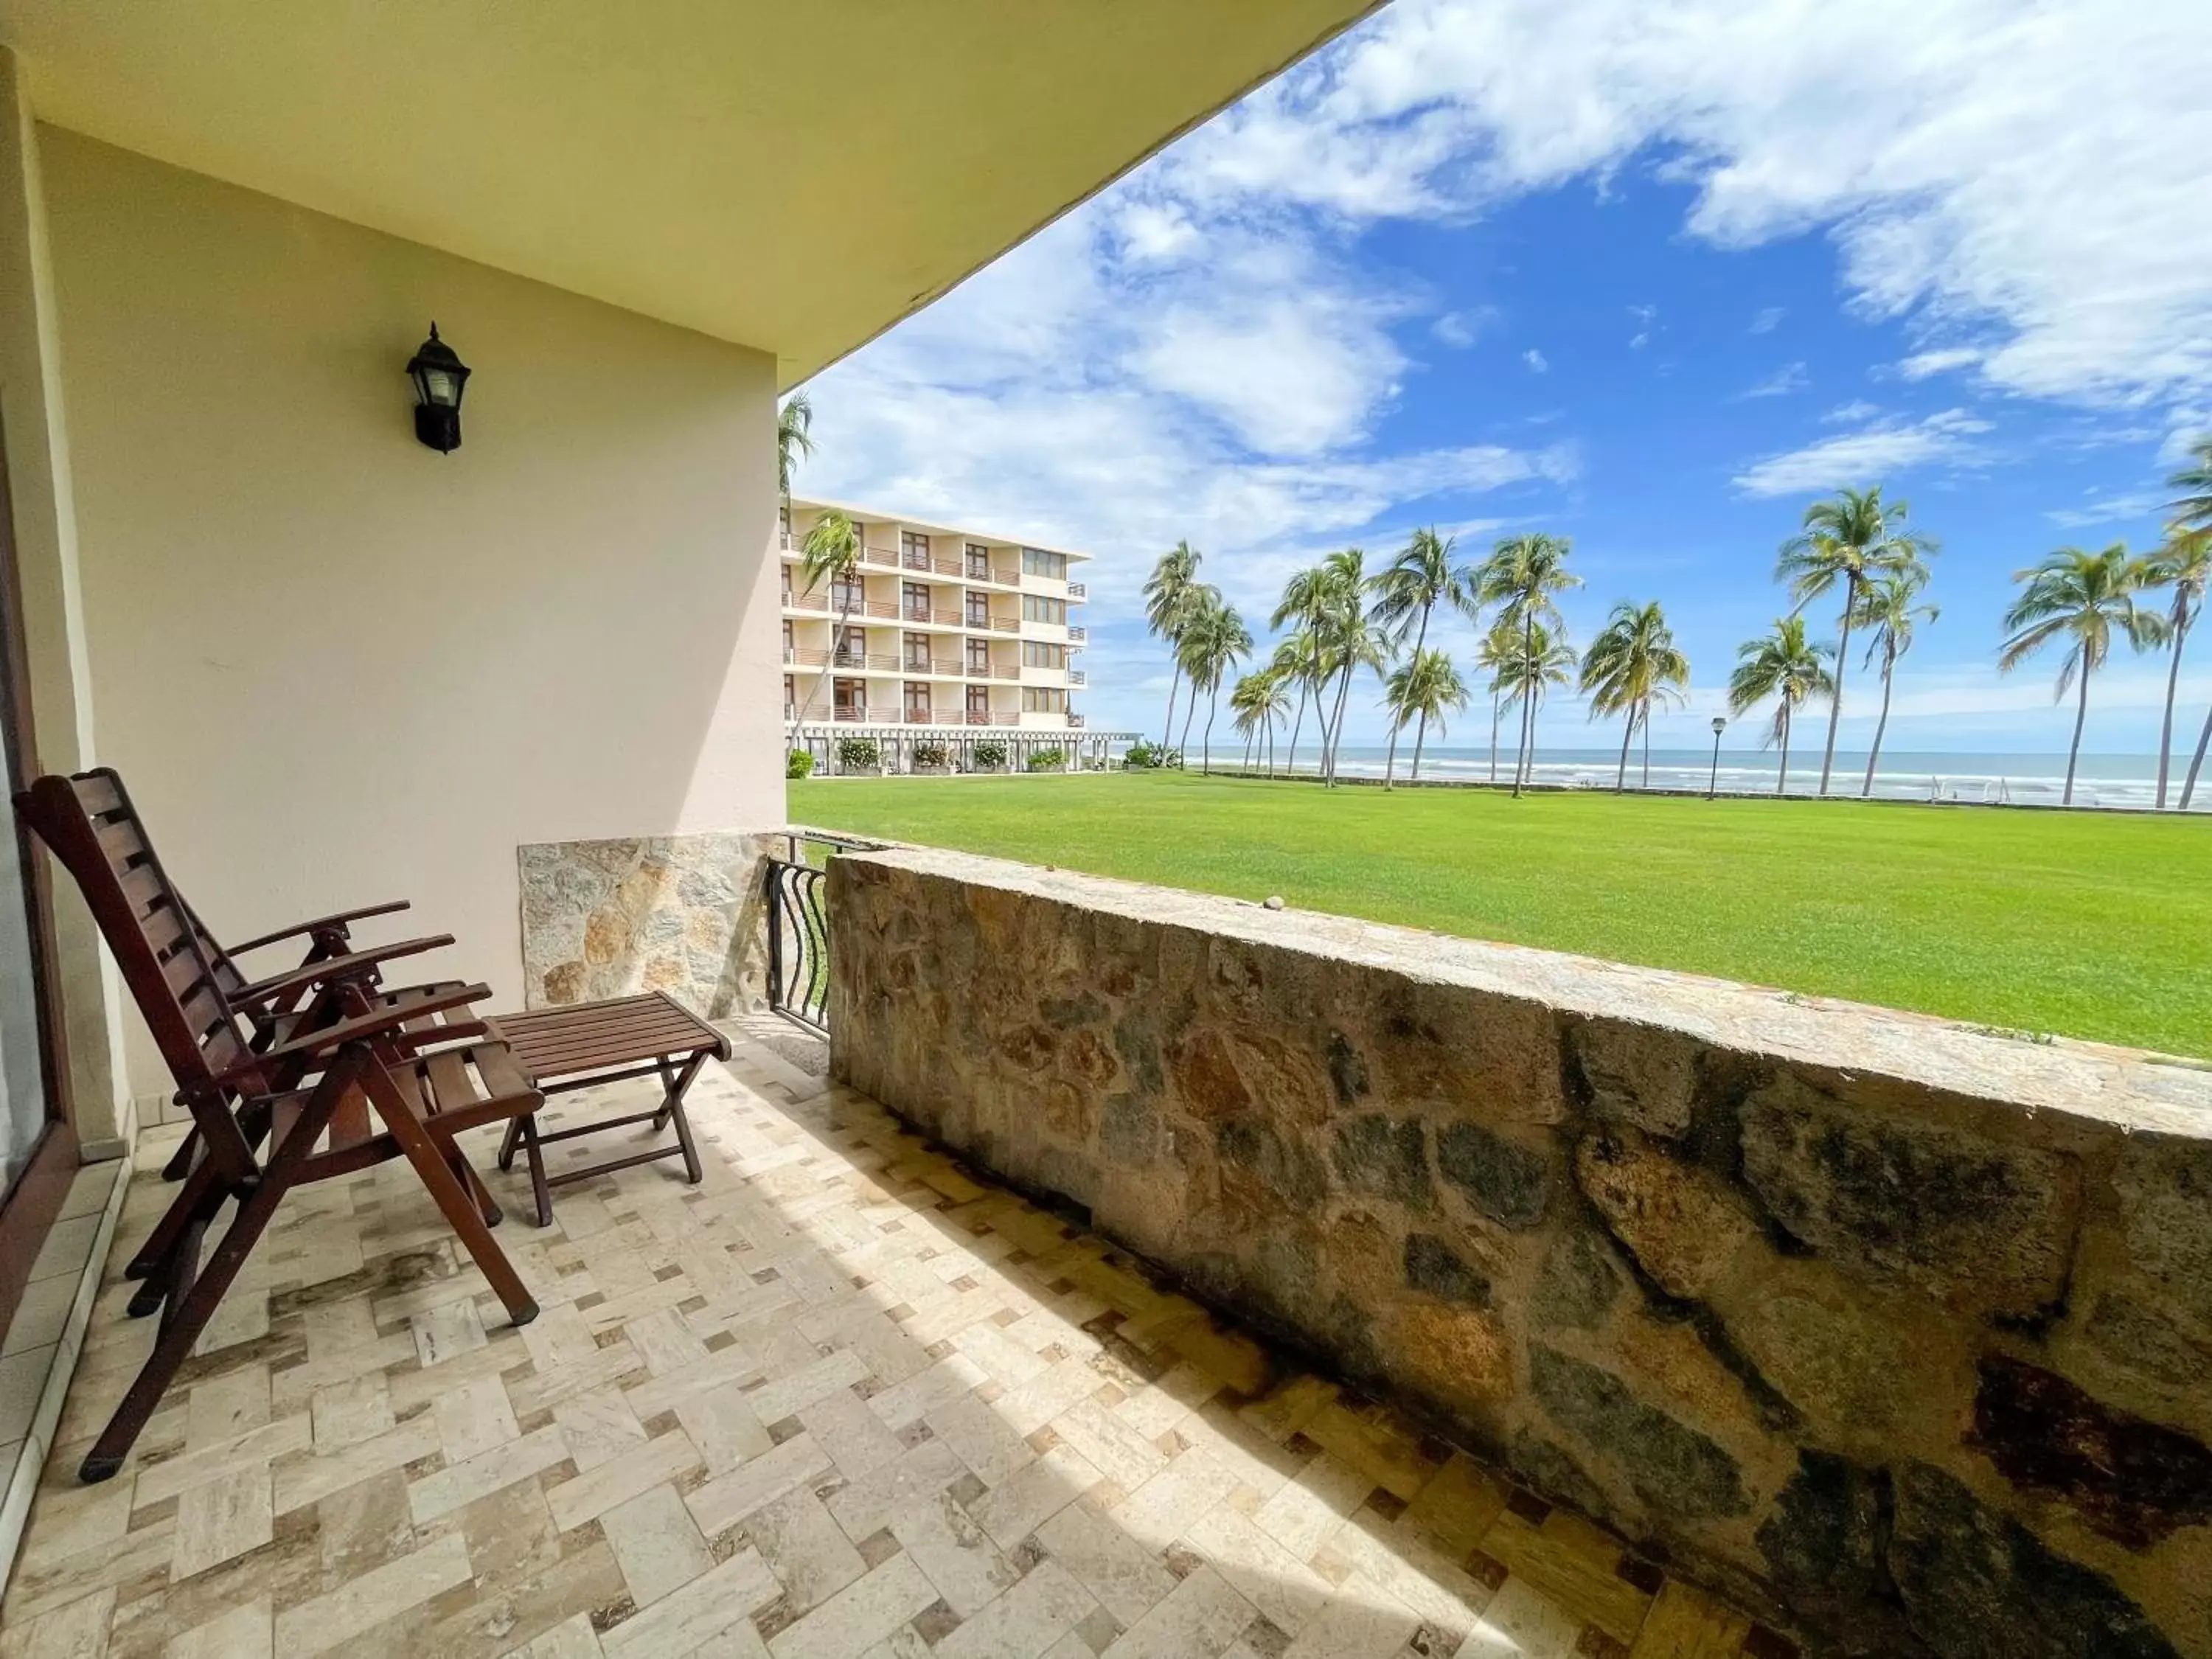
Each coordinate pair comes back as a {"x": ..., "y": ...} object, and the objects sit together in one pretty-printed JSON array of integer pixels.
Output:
[
  {"x": 917, "y": 653},
  {"x": 1037, "y": 609},
  {"x": 1036, "y": 653},
  {"x": 916, "y": 595},
  {"x": 787, "y": 584},
  {"x": 979, "y": 562},
  {"x": 790, "y": 699},
  {"x": 917, "y": 699},
  {"x": 979, "y": 656},
  {"x": 783, "y": 523},
  {"x": 851, "y": 699},
  {"x": 979, "y": 610},
  {"x": 914, "y": 550},
  {"x": 1043, "y": 700},
  {"x": 1036, "y": 562},
  {"x": 979, "y": 699},
  {"x": 852, "y": 648},
  {"x": 848, "y": 594}
]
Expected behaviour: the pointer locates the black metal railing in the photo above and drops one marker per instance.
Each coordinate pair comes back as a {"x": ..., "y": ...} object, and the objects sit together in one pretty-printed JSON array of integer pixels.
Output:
[
  {"x": 798, "y": 944},
  {"x": 797, "y": 892}
]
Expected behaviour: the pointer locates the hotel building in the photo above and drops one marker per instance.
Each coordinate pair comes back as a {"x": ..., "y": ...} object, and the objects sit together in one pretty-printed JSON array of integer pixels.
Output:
[{"x": 941, "y": 627}]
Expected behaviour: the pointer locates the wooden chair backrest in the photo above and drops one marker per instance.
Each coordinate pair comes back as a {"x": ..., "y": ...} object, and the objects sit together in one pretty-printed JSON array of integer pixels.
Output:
[{"x": 182, "y": 980}]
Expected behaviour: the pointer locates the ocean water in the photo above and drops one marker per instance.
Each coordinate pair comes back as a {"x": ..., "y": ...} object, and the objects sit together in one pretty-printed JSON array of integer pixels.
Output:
[{"x": 2109, "y": 780}]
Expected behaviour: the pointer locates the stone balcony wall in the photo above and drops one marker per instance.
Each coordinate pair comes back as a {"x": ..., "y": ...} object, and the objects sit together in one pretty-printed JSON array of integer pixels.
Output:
[{"x": 1897, "y": 1331}]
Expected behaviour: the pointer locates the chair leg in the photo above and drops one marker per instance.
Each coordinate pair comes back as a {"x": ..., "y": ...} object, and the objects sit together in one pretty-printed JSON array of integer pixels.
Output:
[
  {"x": 510, "y": 1139},
  {"x": 465, "y": 1173},
  {"x": 187, "y": 1314},
  {"x": 540, "y": 1189},
  {"x": 451, "y": 1197}
]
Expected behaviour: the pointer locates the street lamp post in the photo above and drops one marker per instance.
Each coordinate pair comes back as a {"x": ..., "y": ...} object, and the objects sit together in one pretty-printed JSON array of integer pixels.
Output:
[{"x": 1713, "y": 786}]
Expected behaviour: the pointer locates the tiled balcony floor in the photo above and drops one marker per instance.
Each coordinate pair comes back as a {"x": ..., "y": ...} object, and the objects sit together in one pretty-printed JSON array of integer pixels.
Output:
[{"x": 838, "y": 1400}]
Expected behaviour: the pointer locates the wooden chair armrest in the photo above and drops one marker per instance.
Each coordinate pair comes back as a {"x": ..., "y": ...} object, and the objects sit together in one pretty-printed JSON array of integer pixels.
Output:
[
  {"x": 360, "y": 964},
  {"x": 328, "y": 1039},
  {"x": 335, "y": 924}
]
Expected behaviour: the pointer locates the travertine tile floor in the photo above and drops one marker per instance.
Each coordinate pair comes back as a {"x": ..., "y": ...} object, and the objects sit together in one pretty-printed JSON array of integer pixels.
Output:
[{"x": 839, "y": 1399}]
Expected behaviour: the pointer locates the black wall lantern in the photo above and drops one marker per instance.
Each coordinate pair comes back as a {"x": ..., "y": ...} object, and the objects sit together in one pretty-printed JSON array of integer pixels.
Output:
[{"x": 440, "y": 378}]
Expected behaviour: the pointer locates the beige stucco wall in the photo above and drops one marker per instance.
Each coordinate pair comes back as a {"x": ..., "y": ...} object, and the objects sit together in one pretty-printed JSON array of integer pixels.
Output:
[{"x": 335, "y": 666}]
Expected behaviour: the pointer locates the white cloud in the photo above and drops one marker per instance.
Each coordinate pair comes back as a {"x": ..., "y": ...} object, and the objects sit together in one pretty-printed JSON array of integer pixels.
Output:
[
  {"x": 1790, "y": 377},
  {"x": 1462, "y": 329},
  {"x": 2110, "y": 509},
  {"x": 2023, "y": 184},
  {"x": 1921, "y": 364},
  {"x": 1640, "y": 339},
  {"x": 1538, "y": 364},
  {"x": 1858, "y": 410},
  {"x": 1866, "y": 456},
  {"x": 1765, "y": 320}
]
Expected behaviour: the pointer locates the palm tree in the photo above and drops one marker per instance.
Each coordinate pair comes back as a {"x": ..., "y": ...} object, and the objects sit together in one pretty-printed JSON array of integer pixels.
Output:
[
  {"x": 1499, "y": 647},
  {"x": 1887, "y": 607},
  {"x": 1350, "y": 640},
  {"x": 1298, "y": 658},
  {"x": 1260, "y": 700},
  {"x": 794, "y": 438},
  {"x": 1849, "y": 539},
  {"x": 831, "y": 553},
  {"x": 1170, "y": 592},
  {"x": 1425, "y": 687},
  {"x": 1631, "y": 664},
  {"x": 2078, "y": 598},
  {"x": 1788, "y": 667},
  {"x": 2192, "y": 517},
  {"x": 1407, "y": 590},
  {"x": 1521, "y": 575},
  {"x": 1214, "y": 641},
  {"x": 2183, "y": 564},
  {"x": 1539, "y": 658}
]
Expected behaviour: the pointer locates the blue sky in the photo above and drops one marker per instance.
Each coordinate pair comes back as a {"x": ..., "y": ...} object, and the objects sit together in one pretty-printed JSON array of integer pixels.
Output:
[{"x": 1651, "y": 277}]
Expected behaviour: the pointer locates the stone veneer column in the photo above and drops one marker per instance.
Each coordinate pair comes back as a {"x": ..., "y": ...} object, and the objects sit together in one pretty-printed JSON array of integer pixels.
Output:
[{"x": 680, "y": 913}]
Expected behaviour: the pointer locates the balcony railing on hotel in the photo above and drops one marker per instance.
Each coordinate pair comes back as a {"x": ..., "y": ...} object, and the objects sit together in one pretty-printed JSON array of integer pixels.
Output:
[
  {"x": 1075, "y": 677},
  {"x": 807, "y": 601},
  {"x": 1078, "y": 634},
  {"x": 854, "y": 715},
  {"x": 1006, "y": 624},
  {"x": 1075, "y": 719},
  {"x": 882, "y": 556},
  {"x": 1078, "y": 591},
  {"x": 813, "y": 655}
]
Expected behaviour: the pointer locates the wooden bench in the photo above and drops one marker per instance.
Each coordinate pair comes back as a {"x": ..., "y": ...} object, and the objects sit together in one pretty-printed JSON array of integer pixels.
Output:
[{"x": 582, "y": 1045}]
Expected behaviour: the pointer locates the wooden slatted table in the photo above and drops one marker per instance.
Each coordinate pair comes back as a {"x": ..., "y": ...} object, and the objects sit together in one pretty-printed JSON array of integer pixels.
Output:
[{"x": 575, "y": 1047}]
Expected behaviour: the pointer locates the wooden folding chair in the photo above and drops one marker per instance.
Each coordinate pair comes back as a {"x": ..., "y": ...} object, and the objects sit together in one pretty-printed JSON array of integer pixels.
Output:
[
  {"x": 427, "y": 1076},
  {"x": 273, "y": 1005}
]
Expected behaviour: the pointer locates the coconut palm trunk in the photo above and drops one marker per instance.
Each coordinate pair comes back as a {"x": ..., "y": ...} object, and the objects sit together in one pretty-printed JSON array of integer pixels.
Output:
[
  {"x": 837, "y": 644},
  {"x": 1206, "y": 753},
  {"x": 1843, "y": 661},
  {"x": 1420, "y": 737},
  {"x": 1336, "y": 734},
  {"x": 1527, "y": 701},
  {"x": 1175, "y": 684},
  {"x": 1390, "y": 762},
  {"x": 2081, "y": 719},
  {"x": 1644, "y": 719},
  {"x": 2166, "y": 728},
  {"x": 1880, "y": 726},
  {"x": 1189, "y": 713},
  {"x": 1291, "y": 760},
  {"x": 1495, "y": 713},
  {"x": 1782, "y": 781},
  {"x": 1627, "y": 735},
  {"x": 2197, "y": 761}
]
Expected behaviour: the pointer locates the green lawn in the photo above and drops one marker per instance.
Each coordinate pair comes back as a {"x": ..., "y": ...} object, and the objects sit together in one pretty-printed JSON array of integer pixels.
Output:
[{"x": 2085, "y": 924}]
